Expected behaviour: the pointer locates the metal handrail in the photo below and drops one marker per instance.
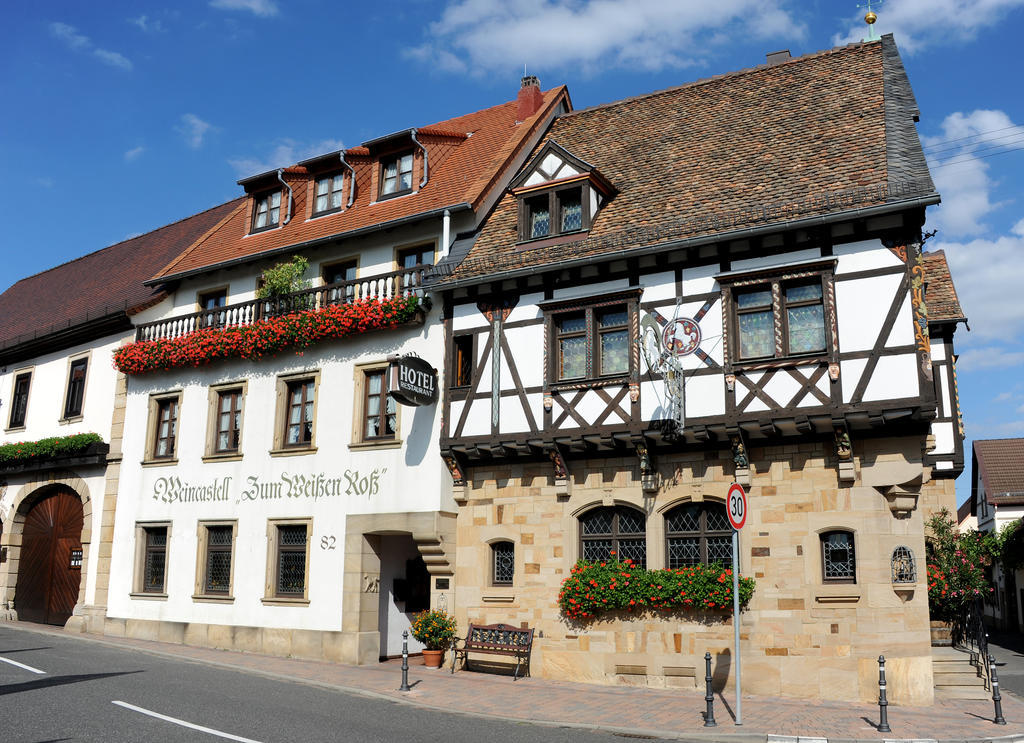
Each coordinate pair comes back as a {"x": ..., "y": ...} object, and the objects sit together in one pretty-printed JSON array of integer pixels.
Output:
[
  {"x": 969, "y": 633},
  {"x": 402, "y": 283}
]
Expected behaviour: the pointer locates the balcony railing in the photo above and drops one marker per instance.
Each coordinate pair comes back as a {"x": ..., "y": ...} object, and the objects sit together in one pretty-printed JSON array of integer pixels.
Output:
[{"x": 404, "y": 283}]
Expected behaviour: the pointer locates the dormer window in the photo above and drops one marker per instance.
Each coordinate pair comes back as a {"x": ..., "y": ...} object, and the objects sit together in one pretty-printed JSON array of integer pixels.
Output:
[
  {"x": 396, "y": 175},
  {"x": 328, "y": 194},
  {"x": 553, "y": 212},
  {"x": 559, "y": 195},
  {"x": 266, "y": 212}
]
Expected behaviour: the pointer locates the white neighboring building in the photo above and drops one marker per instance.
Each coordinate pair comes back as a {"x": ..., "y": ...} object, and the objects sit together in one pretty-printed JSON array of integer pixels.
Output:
[
  {"x": 997, "y": 499},
  {"x": 58, "y": 330},
  {"x": 286, "y": 504}
]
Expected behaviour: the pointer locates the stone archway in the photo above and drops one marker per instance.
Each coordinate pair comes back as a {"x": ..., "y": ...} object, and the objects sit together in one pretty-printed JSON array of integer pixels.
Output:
[{"x": 24, "y": 511}]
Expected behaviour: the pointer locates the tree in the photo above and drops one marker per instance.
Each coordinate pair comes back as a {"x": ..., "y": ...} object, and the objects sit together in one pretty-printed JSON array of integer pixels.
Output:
[
  {"x": 284, "y": 278},
  {"x": 958, "y": 565}
]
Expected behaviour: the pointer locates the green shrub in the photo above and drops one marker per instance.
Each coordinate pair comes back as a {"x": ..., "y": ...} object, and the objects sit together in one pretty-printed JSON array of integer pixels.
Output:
[
  {"x": 434, "y": 628},
  {"x": 56, "y": 446},
  {"x": 284, "y": 278}
]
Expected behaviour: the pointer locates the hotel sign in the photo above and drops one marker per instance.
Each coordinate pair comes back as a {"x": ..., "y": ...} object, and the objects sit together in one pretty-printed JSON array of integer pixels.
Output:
[
  {"x": 285, "y": 486},
  {"x": 412, "y": 381}
]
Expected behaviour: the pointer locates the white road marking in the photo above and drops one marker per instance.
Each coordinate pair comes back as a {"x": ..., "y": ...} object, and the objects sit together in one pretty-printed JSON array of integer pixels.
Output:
[
  {"x": 183, "y": 723},
  {"x": 21, "y": 665}
]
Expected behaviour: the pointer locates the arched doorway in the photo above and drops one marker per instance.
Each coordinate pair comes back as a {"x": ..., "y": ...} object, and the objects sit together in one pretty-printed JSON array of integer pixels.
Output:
[{"x": 50, "y": 564}]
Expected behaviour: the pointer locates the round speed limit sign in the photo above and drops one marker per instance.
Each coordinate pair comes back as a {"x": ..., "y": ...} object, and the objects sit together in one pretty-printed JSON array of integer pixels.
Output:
[{"x": 736, "y": 506}]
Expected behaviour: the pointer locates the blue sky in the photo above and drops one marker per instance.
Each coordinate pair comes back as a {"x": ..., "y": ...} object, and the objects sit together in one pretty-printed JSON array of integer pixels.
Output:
[{"x": 120, "y": 117}]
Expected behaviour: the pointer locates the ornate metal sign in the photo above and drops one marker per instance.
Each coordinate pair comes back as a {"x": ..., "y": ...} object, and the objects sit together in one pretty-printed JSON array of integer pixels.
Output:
[{"x": 412, "y": 381}]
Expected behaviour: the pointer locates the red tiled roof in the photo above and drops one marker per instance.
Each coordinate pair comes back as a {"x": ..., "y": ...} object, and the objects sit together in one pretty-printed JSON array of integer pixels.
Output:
[
  {"x": 1001, "y": 465},
  {"x": 943, "y": 303},
  {"x": 466, "y": 156},
  {"x": 747, "y": 149},
  {"x": 103, "y": 283}
]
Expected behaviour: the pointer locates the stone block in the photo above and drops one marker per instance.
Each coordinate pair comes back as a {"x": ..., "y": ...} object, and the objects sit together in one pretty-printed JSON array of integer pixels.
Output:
[
  {"x": 277, "y": 641},
  {"x": 220, "y": 636},
  {"x": 195, "y": 634},
  {"x": 570, "y": 665},
  {"x": 142, "y": 629},
  {"x": 172, "y": 632},
  {"x": 307, "y": 644},
  {"x": 249, "y": 639}
]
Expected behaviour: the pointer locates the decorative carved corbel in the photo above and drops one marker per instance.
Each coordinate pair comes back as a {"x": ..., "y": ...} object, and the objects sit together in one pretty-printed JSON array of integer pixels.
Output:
[
  {"x": 902, "y": 498},
  {"x": 561, "y": 469},
  {"x": 648, "y": 474},
  {"x": 844, "y": 451},
  {"x": 740, "y": 457},
  {"x": 458, "y": 472}
]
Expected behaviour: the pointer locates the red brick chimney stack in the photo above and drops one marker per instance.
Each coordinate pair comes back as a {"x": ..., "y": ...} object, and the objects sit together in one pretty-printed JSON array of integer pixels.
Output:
[{"x": 530, "y": 98}]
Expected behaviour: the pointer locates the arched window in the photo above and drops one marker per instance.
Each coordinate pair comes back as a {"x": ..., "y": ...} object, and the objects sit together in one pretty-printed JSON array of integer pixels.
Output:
[
  {"x": 617, "y": 529},
  {"x": 503, "y": 563},
  {"x": 697, "y": 533},
  {"x": 838, "y": 561}
]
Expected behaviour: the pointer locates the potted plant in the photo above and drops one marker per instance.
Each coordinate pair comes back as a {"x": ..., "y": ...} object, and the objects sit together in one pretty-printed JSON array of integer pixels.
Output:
[{"x": 436, "y": 630}]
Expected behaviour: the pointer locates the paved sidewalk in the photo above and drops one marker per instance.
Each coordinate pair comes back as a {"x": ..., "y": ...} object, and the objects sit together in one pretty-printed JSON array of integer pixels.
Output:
[{"x": 675, "y": 714}]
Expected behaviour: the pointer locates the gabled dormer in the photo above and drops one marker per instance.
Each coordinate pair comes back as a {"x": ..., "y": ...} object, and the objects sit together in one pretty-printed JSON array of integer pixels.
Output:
[{"x": 558, "y": 195}]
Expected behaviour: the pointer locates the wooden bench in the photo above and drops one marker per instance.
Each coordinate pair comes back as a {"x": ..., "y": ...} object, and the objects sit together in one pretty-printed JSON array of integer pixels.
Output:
[{"x": 496, "y": 639}]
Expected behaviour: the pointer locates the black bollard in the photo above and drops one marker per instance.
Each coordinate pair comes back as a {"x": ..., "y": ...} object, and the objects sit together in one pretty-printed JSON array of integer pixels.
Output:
[
  {"x": 405, "y": 661},
  {"x": 709, "y": 697},
  {"x": 997, "y": 698},
  {"x": 883, "y": 703}
]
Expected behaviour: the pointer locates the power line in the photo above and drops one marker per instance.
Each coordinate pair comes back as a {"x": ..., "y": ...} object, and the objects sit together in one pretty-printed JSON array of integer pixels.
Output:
[
  {"x": 972, "y": 136},
  {"x": 954, "y": 161},
  {"x": 974, "y": 153},
  {"x": 987, "y": 140}
]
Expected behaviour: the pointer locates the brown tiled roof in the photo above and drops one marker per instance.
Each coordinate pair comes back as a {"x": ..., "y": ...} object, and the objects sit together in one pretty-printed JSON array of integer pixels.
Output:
[
  {"x": 1001, "y": 465},
  {"x": 106, "y": 282},
  {"x": 467, "y": 154},
  {"x": 707, "y": 157},
  {"x": 943, "y": 303}
]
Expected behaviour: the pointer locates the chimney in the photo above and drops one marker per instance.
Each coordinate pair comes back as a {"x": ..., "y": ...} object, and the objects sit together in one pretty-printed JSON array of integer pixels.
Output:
[
  {"x": 778, "y": 57},
  {"x": 530, "y": 98}
]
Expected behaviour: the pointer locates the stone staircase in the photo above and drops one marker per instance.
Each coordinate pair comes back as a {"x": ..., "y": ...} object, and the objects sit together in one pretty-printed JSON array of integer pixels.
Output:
[{"x": 955, "y": 677}]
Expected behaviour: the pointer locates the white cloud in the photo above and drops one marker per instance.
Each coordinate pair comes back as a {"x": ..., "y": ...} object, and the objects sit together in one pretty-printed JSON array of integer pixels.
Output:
[
  {"x": 286, "y": 152},
  {"x": 957, "y": 161},
  {"x": 45, "y": 182},
  {"x": 113, "y": 58},
  {"x": 987, "y": 284},
  {"x": 78, "y": 42},
  {"x": 148, "y": 25},
  {"x": 917, "y": 24},
  {"x": 989, "y": 357},
  {"x": 193, "y": 129},
  {"x": 263, "y": 8},
  {"x": 134, "y": 153},
  {"x": 478, "y": 36}
]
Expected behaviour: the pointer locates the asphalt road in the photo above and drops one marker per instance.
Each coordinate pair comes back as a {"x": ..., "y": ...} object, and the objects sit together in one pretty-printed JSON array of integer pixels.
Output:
[
  {"x": 1008, "y": 650},
  {"x": 55, "y": 688}
]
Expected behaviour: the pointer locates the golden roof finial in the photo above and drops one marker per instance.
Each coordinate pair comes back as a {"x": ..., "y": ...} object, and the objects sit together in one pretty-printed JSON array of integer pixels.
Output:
[{"x": 869, "y": 18}]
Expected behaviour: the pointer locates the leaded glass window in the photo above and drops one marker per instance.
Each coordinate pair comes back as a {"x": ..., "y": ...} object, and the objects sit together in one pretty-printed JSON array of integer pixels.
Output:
[
  {"x": 571, "y": 211},
  {"x": 219, "y": 542},
  {"x": 611, "y": 533},
  {"x": 19, "y": 401},
  {"x": 572, "y": 346},
  {"x": 613, "y": 338},
  {"x": 503, "y": 563},
  {"x": 155, "y": 565},
  {"x": 780, "y": 319},
  {"x": 837, "y": 557},
  {"x": 698, "y": 533},
  {"x": 539, "y": 215},
  {"x": 291, "y": 559}
]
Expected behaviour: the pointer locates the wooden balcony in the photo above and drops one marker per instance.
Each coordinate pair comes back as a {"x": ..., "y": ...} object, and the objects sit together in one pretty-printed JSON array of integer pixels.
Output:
[{"x": 404, "y": 283}]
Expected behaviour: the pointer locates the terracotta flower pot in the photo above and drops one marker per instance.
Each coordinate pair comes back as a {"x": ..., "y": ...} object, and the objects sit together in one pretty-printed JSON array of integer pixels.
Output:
[{"x": 433, "y": 658}]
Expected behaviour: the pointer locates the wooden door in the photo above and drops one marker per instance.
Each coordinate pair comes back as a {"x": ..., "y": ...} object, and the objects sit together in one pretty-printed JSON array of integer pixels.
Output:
[{"x": 48, "y": 576}]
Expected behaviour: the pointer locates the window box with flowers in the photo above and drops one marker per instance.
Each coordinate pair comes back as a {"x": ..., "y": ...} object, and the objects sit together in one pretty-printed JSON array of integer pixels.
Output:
[{"x": 595, "y": 588}]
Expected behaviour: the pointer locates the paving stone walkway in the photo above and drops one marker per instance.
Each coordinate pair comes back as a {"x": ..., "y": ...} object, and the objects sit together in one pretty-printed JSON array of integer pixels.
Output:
[{"x": 635, "y": 711}]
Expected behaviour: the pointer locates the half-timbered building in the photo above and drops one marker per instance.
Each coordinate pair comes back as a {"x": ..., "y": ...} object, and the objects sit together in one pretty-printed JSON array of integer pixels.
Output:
[
  {"x": 60, "y": 448},
  {"x": 273, "y": 496},
  {"x": 719, "y": 282}
]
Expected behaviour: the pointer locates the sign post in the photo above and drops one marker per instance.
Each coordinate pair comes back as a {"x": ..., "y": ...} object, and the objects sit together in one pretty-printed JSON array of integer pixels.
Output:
[{"x": 736, "y": 508}]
